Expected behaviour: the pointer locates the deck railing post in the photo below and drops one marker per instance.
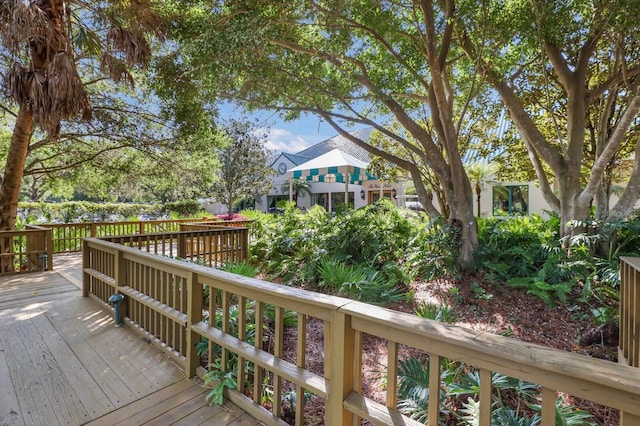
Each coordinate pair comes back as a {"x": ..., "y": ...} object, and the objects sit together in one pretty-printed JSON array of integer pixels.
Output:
[
  {"x": 182, "y": 245},
  {"x": 341, "y": 349},
  {"x": 86, "y": 264},
  {"x": 120, "y": 278},
  {"x": 49, "y": 244},
  {"x": 194, "y": 316},
  {"x": 627, "y": 419}
]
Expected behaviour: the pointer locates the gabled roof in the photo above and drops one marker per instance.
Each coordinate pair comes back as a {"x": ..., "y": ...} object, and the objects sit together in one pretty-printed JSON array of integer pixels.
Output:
[
  {"x": 342, "y": 166},
  {"x": 341, "y": 143},
  {"x": 334, "y": 158},
  {"x": 295, "y": 158}
]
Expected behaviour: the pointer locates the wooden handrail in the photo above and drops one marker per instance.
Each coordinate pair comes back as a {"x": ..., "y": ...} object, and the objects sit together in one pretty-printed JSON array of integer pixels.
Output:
[
  {"x": 165, "y": 302},
  {"x": 67, "y": 237}
]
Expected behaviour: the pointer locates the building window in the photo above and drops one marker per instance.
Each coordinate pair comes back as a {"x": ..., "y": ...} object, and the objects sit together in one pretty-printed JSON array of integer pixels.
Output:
[
  {"x": 511, "y": 200},
  {"x": 273, "y": 200},
  {"x": 337, "y": 198}
]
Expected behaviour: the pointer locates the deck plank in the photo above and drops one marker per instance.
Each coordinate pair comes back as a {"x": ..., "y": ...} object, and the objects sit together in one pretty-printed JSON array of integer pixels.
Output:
[
  {"x": 62, "y": 361},
  {"x": 181, "y": 411},
  {"x": 115, "y": 388},
  {"x": 43, "y": 393},
  {"x": 212, "y": 415},
  {"x": 104, "y": 348},
  {"x": 92, "y": 397},
  {"x": 9, "y": 406},
  {"x": 19, "y": 291},
  {"x": 158, "y": 407},
  {"x": 133, "y": 408}
]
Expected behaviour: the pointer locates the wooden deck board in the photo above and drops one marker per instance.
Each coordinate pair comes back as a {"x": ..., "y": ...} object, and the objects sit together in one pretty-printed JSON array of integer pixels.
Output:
[
  {"x": 62, "y": 361},
  {"x": 92, "y": 397},
  {"x": 20, "y": 291},
  {"x": 9, "y": 406},
  {"x": 39, "y": 387}
]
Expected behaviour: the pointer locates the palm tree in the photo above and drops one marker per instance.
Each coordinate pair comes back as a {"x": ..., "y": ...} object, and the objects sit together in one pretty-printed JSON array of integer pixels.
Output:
[
  {"x": 299, "y": 186},
  {"x": 43, "y": 40},
  {"x": 479, "y": 173}
]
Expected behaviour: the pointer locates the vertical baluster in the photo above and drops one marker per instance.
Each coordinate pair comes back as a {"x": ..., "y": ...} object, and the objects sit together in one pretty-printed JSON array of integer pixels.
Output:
[
  {"x": 301, "y": 360},
  {"x": 357, "y": 369},
  {"x": 258, "y": 371},
  {"x": 277, "y": 352},
  {"x": 212, "y": 322},
  {"x": 242, "y": 335},
  {"x": 392, "y": 375},
  {"x": 548, "y": 407},
  {"x": 624, "y": 311},
  {"x": 194, "y": 316},
  {"x": 225, "y": 327},
  {"x": 435, "y": 364},
  {"x": 485, "y": 397}
]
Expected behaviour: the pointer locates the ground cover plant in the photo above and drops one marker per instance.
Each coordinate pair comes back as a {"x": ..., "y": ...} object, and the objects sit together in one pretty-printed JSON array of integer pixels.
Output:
[{"x": 527, "y": 284}]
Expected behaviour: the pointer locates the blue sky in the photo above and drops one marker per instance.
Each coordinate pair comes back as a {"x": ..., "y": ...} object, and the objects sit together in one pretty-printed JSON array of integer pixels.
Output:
[
  {"x": 286, "y": 136},
  {"x": 294, "y": 136}
]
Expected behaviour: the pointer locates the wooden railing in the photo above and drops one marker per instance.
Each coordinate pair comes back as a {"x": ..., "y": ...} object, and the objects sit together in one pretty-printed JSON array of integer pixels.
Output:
[
  {"x": 67, "y": 237},
  {"x": 629, "y": 343},
  {"x": 164, "y": 301},
  {"x": 27, "y": 250},
  {"x": 210, "y": 245}
]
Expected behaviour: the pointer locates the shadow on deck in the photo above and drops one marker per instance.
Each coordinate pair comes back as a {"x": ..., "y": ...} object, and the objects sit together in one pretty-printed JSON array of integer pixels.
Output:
[{"x": 62, "y": 361}]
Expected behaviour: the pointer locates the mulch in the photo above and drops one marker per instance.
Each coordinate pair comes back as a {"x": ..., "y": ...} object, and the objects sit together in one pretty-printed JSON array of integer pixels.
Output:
[{"x": 479, "y": 305}]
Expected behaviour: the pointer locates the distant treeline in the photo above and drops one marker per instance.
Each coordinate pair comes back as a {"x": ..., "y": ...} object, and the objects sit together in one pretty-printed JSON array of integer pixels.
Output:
[{"x": 84, "y": 211}]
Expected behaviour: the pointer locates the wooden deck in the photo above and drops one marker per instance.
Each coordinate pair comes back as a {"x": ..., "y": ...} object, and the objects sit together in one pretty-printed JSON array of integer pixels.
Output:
[{"x": 63, "y": 362}]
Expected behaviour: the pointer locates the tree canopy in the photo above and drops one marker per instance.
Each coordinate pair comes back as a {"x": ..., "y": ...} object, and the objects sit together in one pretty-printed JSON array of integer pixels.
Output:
[
  {"x": 244, "y": 171},
  {"x": 567, "y": 72},
  {"x": 388, "y": 65}
]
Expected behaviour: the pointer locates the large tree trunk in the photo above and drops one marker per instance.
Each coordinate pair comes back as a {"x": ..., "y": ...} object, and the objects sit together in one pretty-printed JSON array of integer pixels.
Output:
[
  {"x": 12, "y": 180},
  {"x": 14, "y": 169}
]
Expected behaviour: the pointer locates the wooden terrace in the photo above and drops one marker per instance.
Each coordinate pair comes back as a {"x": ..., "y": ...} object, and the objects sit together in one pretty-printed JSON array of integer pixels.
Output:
[{"x": 63, "y": 362}]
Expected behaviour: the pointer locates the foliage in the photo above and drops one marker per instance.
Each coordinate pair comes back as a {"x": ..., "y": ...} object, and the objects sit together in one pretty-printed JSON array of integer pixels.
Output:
[
  {"x": 242, "y": 268},
  {"x": 51, "y": 50},
  {"x": 360, "y": 63},
  {"x": 221, "y": 379},
  {"x": 83, "y": 211},
  {"x": 436, "y": 312},
  {"x": 369, "y": 243},
  {"x": 432, "y": 252},
  {"x": 360, "y": 281},
  {"x": 373, "y": 234},
  {"x": 184, "y": 208},
  {"x": 244, "y": 170},
  {"x": 459, "y": 397}
]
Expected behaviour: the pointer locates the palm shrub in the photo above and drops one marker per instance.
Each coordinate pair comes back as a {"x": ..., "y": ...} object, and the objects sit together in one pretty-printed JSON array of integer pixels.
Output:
[
  {"x": 515, "y": 401},
  {"x": 515, "y": 247},
  {"x": 376, "y": 233},
  {"x": 360, "y": 281},
  {"x": 289, "y": 245},
  {"x": 433, "y": 250}
]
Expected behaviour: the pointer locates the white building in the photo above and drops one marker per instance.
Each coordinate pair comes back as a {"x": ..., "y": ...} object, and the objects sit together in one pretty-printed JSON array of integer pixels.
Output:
[
  {"x": 335, "y": 170},
  {"x": 337, "y": 167}
]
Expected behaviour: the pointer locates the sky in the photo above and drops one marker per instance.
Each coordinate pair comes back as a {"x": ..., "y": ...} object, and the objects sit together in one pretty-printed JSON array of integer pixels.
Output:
[{"x": 286, "y": 136}]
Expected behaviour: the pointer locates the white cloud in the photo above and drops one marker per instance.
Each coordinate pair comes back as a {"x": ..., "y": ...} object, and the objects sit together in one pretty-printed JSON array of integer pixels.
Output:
[{"x": 283, "y": 140}]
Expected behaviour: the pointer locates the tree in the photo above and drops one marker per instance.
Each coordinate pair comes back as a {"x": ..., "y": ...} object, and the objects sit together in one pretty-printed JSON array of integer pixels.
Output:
[
  {"x": 369, "y": 62},
  {"x": 298, "y": 187},
  {"x": 479, "y": 173},
  {"x": 244, "y": 169},
  {"x": 568, "y": 73},
  {"x": 43, "y": 41}
]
